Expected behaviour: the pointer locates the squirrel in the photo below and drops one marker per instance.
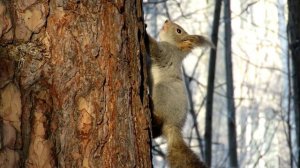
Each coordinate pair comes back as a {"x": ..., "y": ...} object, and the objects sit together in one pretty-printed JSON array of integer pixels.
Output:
[{"x": 167, "y": 89}]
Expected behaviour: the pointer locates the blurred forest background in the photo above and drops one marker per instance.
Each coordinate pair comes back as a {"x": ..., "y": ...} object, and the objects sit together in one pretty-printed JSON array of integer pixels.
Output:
[{"x": 258, "y": 128}]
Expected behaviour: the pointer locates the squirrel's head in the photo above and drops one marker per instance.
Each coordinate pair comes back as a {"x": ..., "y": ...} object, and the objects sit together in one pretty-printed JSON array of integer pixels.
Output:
[{"x": 176, "y": 35}]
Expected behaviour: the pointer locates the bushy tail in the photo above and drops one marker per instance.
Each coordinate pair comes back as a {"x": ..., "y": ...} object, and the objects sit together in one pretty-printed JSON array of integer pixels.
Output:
[{"x": 179, "y": 154}]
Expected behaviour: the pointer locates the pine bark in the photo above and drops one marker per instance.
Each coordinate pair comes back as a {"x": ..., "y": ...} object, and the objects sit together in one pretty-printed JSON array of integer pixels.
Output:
[{"x": 73, "y": 84}]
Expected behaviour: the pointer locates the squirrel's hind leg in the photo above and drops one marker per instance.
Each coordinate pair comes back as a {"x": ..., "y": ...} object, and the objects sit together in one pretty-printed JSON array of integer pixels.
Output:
[{"x": 157, "y": 125}]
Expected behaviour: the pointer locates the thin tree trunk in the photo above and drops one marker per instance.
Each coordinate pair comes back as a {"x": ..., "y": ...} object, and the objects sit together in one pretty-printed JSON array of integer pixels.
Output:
[
  {"x": 230, "y": 89},
  {"x": 294, "y": 43},
  {"x": 210, "y": 84},
  {"x": 72, "y": 84},
  {"x": 289, "y": 123}
]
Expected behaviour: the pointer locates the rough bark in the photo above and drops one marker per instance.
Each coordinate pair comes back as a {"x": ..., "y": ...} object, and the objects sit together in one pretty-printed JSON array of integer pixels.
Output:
[
  {"x": 294, "y": 45},
  {"x": 72, "y": 84}
]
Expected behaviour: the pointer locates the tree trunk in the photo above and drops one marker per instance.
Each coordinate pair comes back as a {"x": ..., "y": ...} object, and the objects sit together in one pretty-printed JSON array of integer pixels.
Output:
[
  {"x": 211, "y": 84},
  {"x": 233, "y": 162},
  {"x": 73, "y": 84},
  {"x": 294, "y": 43}
]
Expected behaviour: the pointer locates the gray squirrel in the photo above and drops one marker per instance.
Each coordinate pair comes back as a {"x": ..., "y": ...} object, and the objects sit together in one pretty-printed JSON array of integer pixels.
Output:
[{"x": 168, "y": 92}]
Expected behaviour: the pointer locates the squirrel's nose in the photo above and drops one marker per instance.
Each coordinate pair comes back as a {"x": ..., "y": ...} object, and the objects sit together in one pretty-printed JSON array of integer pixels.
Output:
[{"x": 166, "y": 21}]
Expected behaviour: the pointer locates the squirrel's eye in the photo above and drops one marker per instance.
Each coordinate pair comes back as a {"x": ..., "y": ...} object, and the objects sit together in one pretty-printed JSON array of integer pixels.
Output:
[{"x": 178, "y": 31}]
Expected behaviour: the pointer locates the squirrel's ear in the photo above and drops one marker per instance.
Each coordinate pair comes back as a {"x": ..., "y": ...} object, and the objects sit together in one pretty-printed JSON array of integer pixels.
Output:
[{"x": 192, "y": 41}]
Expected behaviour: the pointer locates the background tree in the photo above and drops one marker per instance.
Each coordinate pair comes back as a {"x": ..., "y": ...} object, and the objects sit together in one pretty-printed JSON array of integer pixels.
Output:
[
  {"x": 294, "y": 44},
  {"x": 73, "y": 84},
  {"x": 232, "y": 144},
  {"x": 211, "y": 83}
]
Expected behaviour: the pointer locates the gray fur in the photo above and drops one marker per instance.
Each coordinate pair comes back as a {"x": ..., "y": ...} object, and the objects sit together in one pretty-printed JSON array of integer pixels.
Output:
[
  {"x": 169, "y": 96},
  {"x": 168, "y": 91}
]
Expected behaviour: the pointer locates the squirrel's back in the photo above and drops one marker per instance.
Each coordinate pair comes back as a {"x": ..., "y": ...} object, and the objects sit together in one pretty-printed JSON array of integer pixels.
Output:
[{"x": 168, "y": 92}]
